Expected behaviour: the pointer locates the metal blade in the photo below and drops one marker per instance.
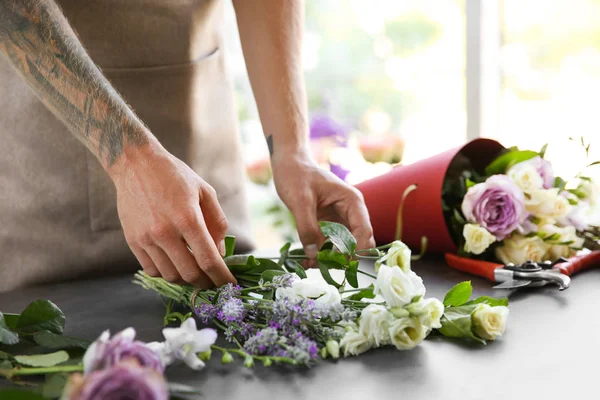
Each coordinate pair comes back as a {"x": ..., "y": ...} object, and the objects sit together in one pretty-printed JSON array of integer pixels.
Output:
[{"x": 513, "y": 284}]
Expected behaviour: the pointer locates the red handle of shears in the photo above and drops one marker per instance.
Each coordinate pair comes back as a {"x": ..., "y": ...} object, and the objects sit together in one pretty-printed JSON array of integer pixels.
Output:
[
  {"x": 481, "y": 268},
  {"x": 579, "y": 263}
]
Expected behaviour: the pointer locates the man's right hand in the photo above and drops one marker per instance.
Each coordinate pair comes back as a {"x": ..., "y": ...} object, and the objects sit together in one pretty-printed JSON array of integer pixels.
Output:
[{"x": 165, "y": 207}]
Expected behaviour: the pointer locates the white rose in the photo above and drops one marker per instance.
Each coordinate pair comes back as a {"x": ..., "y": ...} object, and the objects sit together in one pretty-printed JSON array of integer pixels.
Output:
[
  {"x": 547, "y": 204},
  {"x": 397, "y": 255},
  {"x": 557, "y": 251},
  {"x": 407, "y": 333},
  {"x": 428, "y": 311},
  {"x": 489, "y": 322},
  {"x": 313, "y": 287},
  {"x": 374, "y": 324},
  {"x": 518, "y": 249},
  {"x": 477, "y": 238},
  {"x": 354, "y": 343},
  {"x": 591, "y": 190},
  {"x": 564, "y": 235},
  {"x": 397, "y": 287},
  {"x": 526, "y": 176}
]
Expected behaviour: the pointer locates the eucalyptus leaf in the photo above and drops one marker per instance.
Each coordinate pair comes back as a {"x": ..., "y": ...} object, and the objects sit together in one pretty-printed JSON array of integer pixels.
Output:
[
  {"x": 41, "y": 315},
  {"x": 507, "y": 159},
  {"x": 351, "y": 274},
  {"x": 340, "y": 236},
  {"x": 54, "y": 385},
  {"x": 296, "y": 267},
  {"x": 229, "y": 245},
  {"x": 43, "y": 360},
  {"x": 324, "y": 268},
  {"x": 283, "y": 253},
  {"x": 19, "y": 394},
  {"x": 53, "y": 341},
  {"x": 458, "y": 295},
  {"x": 6, "y": 335},
  {"x": 491, "y": 301},
  {"x": 456, "y": 323}
]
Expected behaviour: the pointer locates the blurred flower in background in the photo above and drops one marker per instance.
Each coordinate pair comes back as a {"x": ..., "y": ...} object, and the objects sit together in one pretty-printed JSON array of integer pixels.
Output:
[{"x": 259, "y": 171}]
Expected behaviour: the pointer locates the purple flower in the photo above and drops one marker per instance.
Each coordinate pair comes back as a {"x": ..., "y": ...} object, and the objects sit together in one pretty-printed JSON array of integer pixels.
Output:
[
  {"x": 124, "y": 381},
  {"x": 325, "y": 127},
  {"x": 498, "y": 205},
  {"x": 106, "y": 352},
  {"x": 206, "y": 312},
  {"x": 544, "y": 168},
  {"x": 339, "y": 171},
  {"x": 232, "y": 311}
]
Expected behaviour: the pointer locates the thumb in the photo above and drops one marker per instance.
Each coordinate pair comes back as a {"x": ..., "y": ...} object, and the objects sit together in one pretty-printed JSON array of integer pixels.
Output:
[{"x": 308, "y": 229}]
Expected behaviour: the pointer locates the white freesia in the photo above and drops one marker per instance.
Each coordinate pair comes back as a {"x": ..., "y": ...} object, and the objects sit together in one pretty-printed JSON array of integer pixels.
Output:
[
  {"x": 407, "y": 333},
  {"x": 397, "y": 287},
  {"x": 333, "y": 348},
  {"x": 184, "y": 343},
  {"x": 526, "y": 176},
  {"x": 312, "y": 287},
  {"x": 518, "y": 249},
  {"x": 547, "y": 204},
  {"x": 354, "y": 343},
  {"x": 477, "y": 238},
  {"x": 429, "y": 312},
  {"x": 397, "y": 255},
  {"x": 374, "y": 324},
  {"x": 489, "y": 322}
]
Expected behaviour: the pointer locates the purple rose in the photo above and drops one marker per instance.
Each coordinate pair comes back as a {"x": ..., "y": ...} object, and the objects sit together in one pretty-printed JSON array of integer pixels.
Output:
[
  {"x": 123, "y": 381},
  {"x": 498, "y": 205},
  {"x": 106, "y": 352},
  {"x": 544, "y": 168}
]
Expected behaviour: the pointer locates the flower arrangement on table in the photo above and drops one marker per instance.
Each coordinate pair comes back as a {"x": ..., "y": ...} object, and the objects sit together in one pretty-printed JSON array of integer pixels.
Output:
[
  {"x": 278, "y": 313},
  {"x": 518, "y": 211}
]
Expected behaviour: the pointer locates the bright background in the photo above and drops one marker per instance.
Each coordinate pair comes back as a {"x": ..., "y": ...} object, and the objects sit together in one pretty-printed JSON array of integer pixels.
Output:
[{"x": 387, "y": 82}]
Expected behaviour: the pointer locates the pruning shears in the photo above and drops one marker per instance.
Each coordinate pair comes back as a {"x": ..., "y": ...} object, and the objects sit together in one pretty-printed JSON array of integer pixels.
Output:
[{"x": 528, "y": 274}]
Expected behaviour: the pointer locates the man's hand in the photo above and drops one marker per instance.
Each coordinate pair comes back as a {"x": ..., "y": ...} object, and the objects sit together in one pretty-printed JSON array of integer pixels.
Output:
[
  {"x": 165, "y": 207},
  {"x": 313, "y": 194}
]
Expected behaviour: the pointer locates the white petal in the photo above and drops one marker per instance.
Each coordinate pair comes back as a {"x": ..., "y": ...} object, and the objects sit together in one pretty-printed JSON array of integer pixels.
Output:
[
  {"x": 203, "y": 339},
  {"x": 160, "y": 348},
  {"x": 128, "y": 333},
  {"x": 193, "y": 361},
  {"x": 189, "y": 325},
  {"x": 176, "y": 337},
  {"x": 89, "y": 358}
]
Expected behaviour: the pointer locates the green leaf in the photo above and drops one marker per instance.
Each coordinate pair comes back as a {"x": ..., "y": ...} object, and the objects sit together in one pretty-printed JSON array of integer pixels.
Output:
[
  {"x": 506, "y": 160},
  {"x": 543, "y": 150},
  {"x": 469, "y": 183},
  {"x": 11, "y": 320},
  {"x": 324, "y": 268},
  {"x": 283, "y": 253},
  {"x": 560, "y": 183},
  {"x": 5, "y": 356},
  {"x": 6, "y": 335},
  {"x": 491, "y": 301},
  {"x": 5, "y": 364},
  {"x": 41, "y": 315},
  {"x": 340, "y": 236},
  {"x": 19, "y": 394},
  {"x": 368, "y": 293},
  {"x": 594, "y": 163},
  {"x": 53, "y": 341},
  {"x": 43, "y": 360},
  {"x": 573, "y": 202},
  {"x": 268, "y": 275},
  {"x": 456, "y": 323},
  {"x": 54, "y": 386},
  {"x": 351, "y": 274},
  {"x": 551, "y": 238},
  {"x": 296, "y": 267},
  {"x": 229, "y": 245},
  {"x": 458, "y": 295},
  {"x": 333, "y": 256}
]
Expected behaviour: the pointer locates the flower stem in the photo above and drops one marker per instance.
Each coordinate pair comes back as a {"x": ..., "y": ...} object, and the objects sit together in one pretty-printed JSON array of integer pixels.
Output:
[
  {"x": 353, "y": 290},
  {"x": 367, "y": 274},
  {"x": 43, "y": 370},
  {"x": 243, "y": 354}
]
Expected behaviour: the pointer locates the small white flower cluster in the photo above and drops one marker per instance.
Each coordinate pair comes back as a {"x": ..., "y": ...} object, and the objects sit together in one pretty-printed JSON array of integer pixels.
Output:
[
  {"x": 403, "y": 319},
  {"x": 552, "y": 220}
]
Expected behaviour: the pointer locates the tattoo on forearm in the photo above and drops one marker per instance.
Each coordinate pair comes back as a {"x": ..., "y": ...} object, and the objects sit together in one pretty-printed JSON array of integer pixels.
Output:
[
  {"x": 270, "y": 144},
  {"x": 38, "y": 40}
]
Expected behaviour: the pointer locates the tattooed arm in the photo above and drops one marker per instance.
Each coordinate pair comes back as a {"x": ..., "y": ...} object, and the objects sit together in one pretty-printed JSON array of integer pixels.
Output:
[
  {"x": 271, "y": 36},
  {"x": 161, "y": 212}
]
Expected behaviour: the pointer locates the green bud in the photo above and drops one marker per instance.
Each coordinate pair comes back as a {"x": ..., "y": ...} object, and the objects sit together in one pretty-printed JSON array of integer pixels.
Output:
[
  {"x": 333, "y": 348},
  {"x": 227, "y": 358},
  {"x": 324, "y": 352},
  {"x": 267, "y": 362},
  {"x": 249, "y": 362},
  {"x": 205, "y": 355},
  {"x": 399, "y": 312}
]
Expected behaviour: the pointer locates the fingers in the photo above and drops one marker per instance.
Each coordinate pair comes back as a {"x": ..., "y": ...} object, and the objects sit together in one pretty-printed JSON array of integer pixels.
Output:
[
  {"x": 206, "y": 254},
  {"x": 214, "y": 217},
  {"x": 186, "y": 264},
  {"x": 163, "y": 263},
  {"x": 358, "y": 222},
  {"x": 309, "y": 232},
  {"x": 145, "y": 261}
]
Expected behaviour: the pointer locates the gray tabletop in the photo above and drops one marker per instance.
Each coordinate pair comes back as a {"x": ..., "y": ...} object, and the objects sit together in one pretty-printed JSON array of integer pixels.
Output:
[{"x": 549, "y": 350}]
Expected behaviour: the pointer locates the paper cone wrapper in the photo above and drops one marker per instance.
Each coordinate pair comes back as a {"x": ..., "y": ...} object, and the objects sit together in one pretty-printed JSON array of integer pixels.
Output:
[{"x": 422, "y": 214}]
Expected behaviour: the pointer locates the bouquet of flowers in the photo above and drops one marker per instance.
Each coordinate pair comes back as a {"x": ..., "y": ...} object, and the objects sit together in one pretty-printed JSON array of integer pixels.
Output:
[{"x": 518, "y": 210}]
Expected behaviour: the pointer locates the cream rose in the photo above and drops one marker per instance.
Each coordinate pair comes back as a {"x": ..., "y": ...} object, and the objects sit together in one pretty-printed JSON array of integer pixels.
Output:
[
  {"x": 547, "y": 204},
  {"x": 407, "y": 333},
  {"x": 428, "y": 311},
  {"x": 312, "y": 287},
  {"x": 477, "y": 238},
  {"x": 489, "y": 322},
  {"x": 526, "y": 176},
  {"x": 398, "y": 255},
  {"x": 566, "y": 234},
  {"x": 374, "y": 323},
  {"x": 354, "y": 343},
  {"x": 518, "y": 249},
  {"x": 397, "y": 287}
]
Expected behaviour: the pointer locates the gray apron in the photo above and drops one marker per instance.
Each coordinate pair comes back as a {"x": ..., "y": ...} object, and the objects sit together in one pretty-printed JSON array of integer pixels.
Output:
[{"x": 58, "y": 213}]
